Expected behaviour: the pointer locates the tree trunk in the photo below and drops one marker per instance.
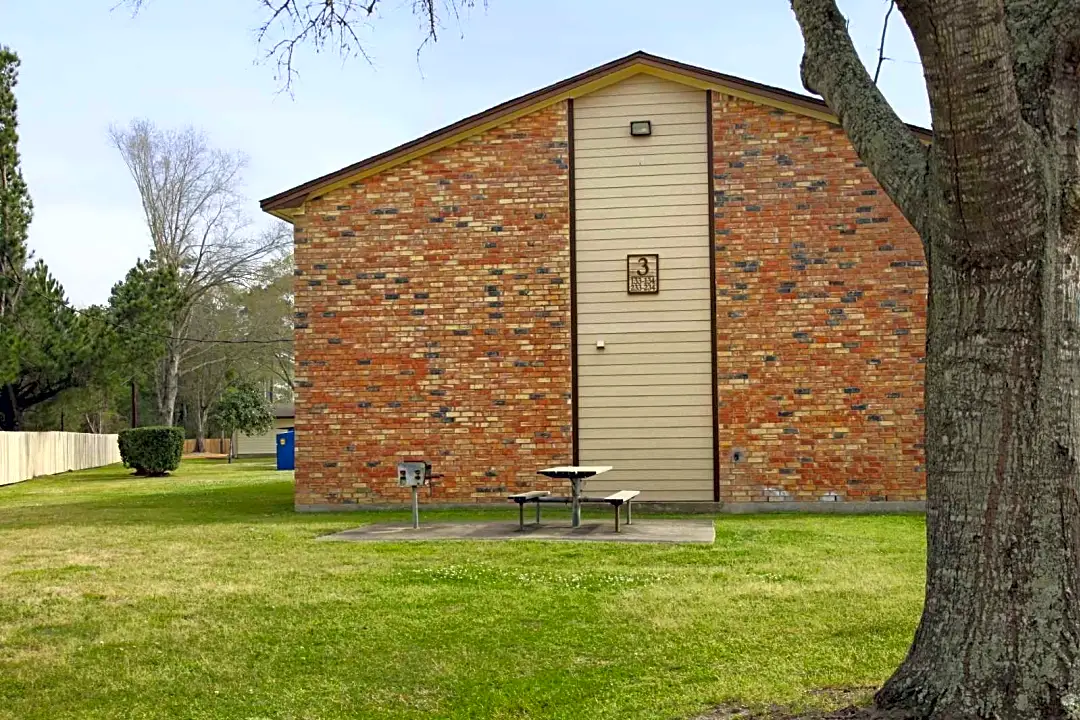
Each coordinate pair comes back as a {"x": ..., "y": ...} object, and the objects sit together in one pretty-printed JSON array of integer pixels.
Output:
[
  {"x": 202, "y": 414},
  {"x": 167, "y": 384},
  {"x": 10, "y": 417},
  {"x": 1000, "y": 631},
  {"x": 996, "y": 201}
]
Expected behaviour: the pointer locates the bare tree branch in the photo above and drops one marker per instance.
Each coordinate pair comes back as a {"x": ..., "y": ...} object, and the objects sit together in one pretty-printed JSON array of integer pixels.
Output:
[
  {"x": 831, "y": 67},
  {"x": 335, "y": 25},
  {"x": 881, "y": 47}
]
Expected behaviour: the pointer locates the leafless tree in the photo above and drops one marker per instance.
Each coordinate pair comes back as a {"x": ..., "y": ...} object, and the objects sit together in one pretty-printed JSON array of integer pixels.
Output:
[
  {"x": 263, "y": 310},
  {"x": 206, "y": 370},
  {"x": 268, "y": 313},
  {"x": 192, "y": 204}
]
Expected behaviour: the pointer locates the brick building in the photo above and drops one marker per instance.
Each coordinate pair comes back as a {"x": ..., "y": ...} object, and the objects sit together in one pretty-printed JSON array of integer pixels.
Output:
[{"x": 683, "y": 274}]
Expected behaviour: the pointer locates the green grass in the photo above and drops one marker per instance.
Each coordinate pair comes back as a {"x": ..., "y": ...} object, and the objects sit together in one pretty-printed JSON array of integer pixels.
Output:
[{"x": 203, "y": 595}]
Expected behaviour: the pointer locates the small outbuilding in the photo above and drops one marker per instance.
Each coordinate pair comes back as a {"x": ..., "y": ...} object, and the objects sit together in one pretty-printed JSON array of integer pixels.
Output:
[
  {"x": 266, "y": 443},
  {"x": 685, "y": 275}
]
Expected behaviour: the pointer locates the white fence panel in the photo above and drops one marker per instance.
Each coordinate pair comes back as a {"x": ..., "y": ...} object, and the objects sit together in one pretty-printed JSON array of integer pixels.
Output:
[{"x": 25, "y": 455}]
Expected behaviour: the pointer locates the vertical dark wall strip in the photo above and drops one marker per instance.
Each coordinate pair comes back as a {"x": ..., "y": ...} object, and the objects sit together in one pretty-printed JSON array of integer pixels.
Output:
[
  {"x": 712, "y": 295},
  {"x": 575, "y": 445}
]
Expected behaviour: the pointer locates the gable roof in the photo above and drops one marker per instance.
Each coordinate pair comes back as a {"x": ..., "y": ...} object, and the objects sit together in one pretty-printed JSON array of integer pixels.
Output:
[{"x": 285, "y": 203}]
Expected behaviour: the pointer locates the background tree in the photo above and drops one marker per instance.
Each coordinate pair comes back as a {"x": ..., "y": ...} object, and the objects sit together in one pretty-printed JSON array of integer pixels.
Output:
[
  {"x": 268, "y": 314},
  {"x": 190, "y": 194},
  {"x": 243, "y": 407},
  {"x": 42, "y": 342},
  {"x": 47, "y": 346},
  {"x": 15, "y": 206},
  {"x": 98, "y": 402},
  {"x": 211, "y": 366}
]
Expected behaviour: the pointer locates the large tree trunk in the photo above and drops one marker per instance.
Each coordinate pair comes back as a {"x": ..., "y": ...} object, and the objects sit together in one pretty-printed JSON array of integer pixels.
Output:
[
  {"x": 1000, "y": 631},
  {"x": 996, "y": 201}
]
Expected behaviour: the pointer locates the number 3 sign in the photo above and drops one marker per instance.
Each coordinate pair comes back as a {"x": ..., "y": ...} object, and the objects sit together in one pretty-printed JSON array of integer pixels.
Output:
[{"x": 642, "y": 274}]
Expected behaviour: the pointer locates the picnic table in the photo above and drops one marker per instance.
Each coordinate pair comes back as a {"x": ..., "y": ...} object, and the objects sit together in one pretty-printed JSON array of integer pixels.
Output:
[{"x": 577, "y": 475}]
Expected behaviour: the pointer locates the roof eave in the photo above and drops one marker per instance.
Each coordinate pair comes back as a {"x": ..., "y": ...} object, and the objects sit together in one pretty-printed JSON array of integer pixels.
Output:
[{"x": 284, "y": 204}]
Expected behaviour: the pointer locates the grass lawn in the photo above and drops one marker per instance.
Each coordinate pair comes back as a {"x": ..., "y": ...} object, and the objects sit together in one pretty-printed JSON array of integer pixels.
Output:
[{"x": 203, "y": 595}]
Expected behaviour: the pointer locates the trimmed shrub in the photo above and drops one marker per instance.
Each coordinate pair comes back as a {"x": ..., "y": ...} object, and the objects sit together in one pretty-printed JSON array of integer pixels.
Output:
[{"x": 152, "y": 451}]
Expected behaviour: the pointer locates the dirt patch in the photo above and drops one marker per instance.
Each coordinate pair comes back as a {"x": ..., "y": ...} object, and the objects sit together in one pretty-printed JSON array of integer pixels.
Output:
[
  {"x": 853, "y": 703},
  {"x": 779, "y": 713}
]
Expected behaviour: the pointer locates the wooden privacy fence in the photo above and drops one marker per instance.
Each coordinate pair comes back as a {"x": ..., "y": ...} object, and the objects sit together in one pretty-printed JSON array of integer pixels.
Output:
[
  {"x": 214, "y": 446},
  {"x": 25, "y": 455}
]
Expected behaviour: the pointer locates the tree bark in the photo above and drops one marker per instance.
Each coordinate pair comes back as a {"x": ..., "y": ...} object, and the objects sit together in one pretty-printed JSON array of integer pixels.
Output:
[
  {"x": 202, "y": 416},
  {"x": 999, "y": 216},
  {"x": 1000, "y": 631},
  {"x": 167, "y": 384},
  {"x": 10, "y": 416}
]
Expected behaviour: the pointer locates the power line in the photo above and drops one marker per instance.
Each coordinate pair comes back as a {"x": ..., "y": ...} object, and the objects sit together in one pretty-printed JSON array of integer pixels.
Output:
[{"x": 26, "y": 286}]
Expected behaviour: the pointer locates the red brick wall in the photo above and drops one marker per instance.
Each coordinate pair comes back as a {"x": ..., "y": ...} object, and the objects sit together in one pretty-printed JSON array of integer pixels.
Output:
[
  {"x": 821, "y": 305},
  {"x": 433, "y": 321}
]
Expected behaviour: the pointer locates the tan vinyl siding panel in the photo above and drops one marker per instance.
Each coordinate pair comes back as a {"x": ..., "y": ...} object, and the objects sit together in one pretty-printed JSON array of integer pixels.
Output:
[
  {"x": 630, "y": 326},
  {"x": 265, "y": 444},
  {"x": 648, "y": 403},
  {"x": 691, "y": 411},
  {"x": 644, "y": 402}
]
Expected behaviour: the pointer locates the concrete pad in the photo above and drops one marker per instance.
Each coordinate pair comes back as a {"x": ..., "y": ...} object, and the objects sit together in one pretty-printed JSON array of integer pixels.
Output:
[{"x": 642, "y": 531}]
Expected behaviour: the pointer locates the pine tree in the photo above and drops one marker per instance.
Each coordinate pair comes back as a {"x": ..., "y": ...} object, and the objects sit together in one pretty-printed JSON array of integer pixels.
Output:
[
  {"x": 44, "y": 345},
  {"x": 15, "y": 213},
  {"x": 15, "y": 206}
]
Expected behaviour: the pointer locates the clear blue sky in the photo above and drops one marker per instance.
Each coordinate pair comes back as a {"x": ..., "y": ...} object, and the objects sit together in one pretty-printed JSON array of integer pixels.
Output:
[{"x": 195, "y": 62}]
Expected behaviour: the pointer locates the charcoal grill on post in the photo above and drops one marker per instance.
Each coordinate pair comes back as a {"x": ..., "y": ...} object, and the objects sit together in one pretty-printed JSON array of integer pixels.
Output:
[{"x": 415, "y": 474}]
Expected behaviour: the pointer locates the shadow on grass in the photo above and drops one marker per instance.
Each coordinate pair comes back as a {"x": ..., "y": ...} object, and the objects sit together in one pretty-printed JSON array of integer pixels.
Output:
[
  {"x": 191, "y": 505},
  {"x": 194, "y": 504}
]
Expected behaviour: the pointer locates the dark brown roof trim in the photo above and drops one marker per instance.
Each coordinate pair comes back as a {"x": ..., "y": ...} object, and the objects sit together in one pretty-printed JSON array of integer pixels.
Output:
[{"x": 296, "y": 196}]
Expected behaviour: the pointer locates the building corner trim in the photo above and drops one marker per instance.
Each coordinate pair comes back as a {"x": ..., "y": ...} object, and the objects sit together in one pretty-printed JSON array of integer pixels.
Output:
[
  {"x": 575, "y": 444},
  {"x": 712, "y": 295}
]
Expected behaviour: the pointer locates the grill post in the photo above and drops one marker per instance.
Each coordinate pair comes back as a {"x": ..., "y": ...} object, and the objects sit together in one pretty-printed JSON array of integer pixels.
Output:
[{"x": 415, "y": 509}]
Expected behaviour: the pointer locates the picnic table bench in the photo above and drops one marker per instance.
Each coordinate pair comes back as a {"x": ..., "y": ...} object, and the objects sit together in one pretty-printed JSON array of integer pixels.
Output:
[{"x": 577, "y": 476}]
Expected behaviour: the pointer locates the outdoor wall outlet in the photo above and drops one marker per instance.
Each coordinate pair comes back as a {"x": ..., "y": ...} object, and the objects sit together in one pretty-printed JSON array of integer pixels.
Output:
[{"x": 599, "y": 344}]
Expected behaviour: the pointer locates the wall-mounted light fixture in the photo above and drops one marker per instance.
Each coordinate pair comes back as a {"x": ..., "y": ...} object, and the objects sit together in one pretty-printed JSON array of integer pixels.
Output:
[{"x": 640, "y": 128}]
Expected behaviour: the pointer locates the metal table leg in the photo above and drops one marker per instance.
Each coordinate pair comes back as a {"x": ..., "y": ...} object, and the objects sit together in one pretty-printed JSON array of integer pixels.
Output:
[
  {"x": 521, "y": 516},
  {"x": 538, "y": 511},
  {"x": 629, "y": 517},
  {"x": 617, "y": 518},
  {"x": 575, "y": 507}
]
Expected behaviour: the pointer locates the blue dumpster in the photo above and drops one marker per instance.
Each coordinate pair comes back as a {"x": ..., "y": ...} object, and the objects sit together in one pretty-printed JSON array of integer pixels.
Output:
[{"x": 286, "y": 450}]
